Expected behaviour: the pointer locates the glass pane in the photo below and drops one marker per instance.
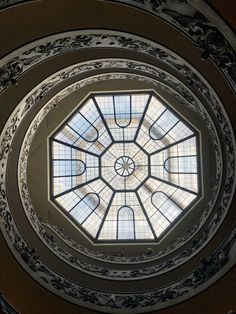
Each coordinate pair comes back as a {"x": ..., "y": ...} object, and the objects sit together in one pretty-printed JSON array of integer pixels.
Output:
[
  {"x": 125, "y": 223},
  {"x": 125, "y": 166}
]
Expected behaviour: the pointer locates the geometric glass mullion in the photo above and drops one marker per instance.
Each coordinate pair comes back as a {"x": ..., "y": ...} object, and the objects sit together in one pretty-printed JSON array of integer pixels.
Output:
[{"x": 124, "y": 167}]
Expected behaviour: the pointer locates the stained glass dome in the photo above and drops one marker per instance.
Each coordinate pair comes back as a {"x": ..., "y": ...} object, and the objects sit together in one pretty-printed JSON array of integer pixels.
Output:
[{"x": 125, "y": 167}]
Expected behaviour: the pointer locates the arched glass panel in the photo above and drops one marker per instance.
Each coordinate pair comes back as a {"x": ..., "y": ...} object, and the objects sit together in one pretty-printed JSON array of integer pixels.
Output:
[
  {"x": 126, "y": 229},
  {"x": 169, "y": 209},
  {"x": 122, "y": 110},
  {"x": 181, "y": 164},
  {"x": 63, "y": 168}
]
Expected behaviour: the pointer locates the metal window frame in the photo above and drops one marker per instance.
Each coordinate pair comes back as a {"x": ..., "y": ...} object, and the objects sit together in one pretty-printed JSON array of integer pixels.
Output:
[{"x": 151, "y": 94}]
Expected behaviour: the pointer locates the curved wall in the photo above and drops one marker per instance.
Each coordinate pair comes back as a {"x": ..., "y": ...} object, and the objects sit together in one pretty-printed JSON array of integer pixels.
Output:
[{"x": 39, "y": 9}]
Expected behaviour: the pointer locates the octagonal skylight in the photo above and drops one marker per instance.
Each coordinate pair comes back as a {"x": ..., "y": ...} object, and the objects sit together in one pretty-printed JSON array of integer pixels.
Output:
[{"x": 124, "y": 167}]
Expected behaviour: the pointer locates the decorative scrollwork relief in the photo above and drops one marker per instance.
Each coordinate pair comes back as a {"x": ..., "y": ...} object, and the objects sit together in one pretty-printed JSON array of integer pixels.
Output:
[
  {"x": 25, "y": 193},
  {"x": 28, "y": 256}
]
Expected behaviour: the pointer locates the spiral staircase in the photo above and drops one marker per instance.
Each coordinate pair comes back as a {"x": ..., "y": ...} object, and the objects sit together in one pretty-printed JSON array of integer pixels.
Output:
[{"x": 54, "y": 56}]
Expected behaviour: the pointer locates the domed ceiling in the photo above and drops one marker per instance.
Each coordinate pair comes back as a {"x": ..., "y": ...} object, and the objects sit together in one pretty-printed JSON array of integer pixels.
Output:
[
  {"x": 119, "y": 150},
  {"x": 124, "y": 167}
]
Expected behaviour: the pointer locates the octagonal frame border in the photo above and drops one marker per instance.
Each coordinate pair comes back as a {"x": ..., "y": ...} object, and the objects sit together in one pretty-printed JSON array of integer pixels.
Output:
[{"x": 71, "y": 219}]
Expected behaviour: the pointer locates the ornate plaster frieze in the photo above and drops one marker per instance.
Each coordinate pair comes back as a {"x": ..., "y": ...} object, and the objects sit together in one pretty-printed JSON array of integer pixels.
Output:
[
  {"x": 26, "y": 196},
  {"x": 187, "y": 17},
  {"x": 210, "y": 269},
  {"x": 184, "y": 16},
  {"x": 14, "y": 65},
  {"x": 119, "y": 302},
  {"x": 6, "y": 3},
  {"x": 26, "y": 200}
]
